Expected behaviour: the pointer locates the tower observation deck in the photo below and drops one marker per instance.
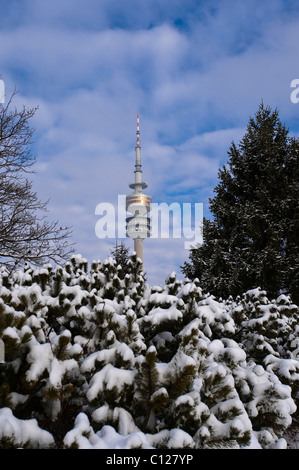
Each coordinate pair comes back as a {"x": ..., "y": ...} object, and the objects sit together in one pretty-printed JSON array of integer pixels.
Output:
[{"x": 138, "y": 204}]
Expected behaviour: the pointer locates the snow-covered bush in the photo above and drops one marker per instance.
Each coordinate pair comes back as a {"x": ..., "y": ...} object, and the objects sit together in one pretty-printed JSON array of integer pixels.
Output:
[{"x": 101, "y": 360}]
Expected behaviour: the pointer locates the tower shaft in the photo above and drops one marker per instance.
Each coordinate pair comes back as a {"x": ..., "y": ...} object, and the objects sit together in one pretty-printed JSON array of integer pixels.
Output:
[{"x": 138, "y": 248}]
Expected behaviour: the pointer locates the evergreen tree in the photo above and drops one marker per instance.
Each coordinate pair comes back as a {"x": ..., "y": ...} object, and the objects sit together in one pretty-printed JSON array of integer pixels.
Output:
[
  {"x": 253, "y": 239},
  {"x": 121, "y": 255},
  {"x": 98, "y": 359}
]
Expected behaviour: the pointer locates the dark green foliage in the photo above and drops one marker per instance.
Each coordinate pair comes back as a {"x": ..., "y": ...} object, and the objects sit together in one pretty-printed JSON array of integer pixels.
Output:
[
  {"x": 146, "y": 397},
  {"x": 121, "y": 257},
  {"x": 253, "y": 238}
]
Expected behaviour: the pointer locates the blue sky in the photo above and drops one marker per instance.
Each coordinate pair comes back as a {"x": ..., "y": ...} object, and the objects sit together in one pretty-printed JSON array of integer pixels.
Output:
[{"x": 194, "y": 70}]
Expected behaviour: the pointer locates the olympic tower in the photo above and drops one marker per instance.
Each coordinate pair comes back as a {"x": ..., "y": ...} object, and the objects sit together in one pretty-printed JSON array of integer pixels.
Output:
[{"x": 138, "y": 204}]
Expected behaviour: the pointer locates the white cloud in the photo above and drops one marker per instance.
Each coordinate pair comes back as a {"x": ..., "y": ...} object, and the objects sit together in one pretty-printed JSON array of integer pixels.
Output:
[{"x": 92, "y": 66}]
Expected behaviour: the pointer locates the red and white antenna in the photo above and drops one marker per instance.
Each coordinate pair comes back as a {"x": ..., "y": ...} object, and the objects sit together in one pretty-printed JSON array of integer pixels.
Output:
[{"x": 138, "y": 132}]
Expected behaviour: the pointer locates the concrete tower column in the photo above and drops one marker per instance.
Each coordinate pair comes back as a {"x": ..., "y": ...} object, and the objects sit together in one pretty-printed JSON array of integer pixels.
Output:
[{"x": 138, "y": 247}]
